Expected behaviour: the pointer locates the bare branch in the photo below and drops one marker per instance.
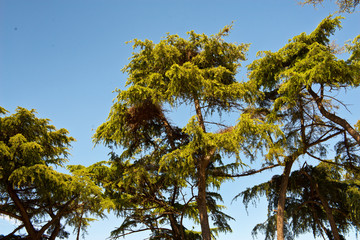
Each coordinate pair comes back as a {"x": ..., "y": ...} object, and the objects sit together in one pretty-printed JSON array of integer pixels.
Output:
[{"x": 247, "y": 173}]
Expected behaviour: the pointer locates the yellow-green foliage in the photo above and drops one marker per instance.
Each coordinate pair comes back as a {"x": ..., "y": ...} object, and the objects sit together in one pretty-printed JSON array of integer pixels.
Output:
[
  {"x": 31, "y": 190},
  {"x": 306, "y": 61},
  {"x": 300, "y": 84},
  {"x": 159, "y": 160}
]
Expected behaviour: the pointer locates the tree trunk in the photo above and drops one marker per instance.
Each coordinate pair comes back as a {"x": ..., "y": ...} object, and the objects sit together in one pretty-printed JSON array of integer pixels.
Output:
[
  {"x": 201, "y": 202},
  {"x": 326, "y": 206},
  {"x": 329, "y": 214},
  {"x": 79, "y": 227},
  {"x": 282, "y": 198},
  {"x": 56, "y": 231},
  {"x": 175, "y": 227},
  {"x": 202, "y": 165},
  {"x": 78, "y": 234}
]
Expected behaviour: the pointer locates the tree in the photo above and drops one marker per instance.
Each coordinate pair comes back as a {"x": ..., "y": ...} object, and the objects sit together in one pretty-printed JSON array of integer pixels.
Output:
[
  {"x": 147, "y": 199},
  {"x": 162, "y": 159},
  {"x": 41, "y": 199},
  {"x": 316, "y": 196},
  {"x": 344, "y": 5},
  {"x": 288, "y": 79}
]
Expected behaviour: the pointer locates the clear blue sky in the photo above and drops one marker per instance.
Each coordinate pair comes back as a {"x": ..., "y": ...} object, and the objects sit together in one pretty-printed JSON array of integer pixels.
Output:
[{"x": 63, "y": 58}]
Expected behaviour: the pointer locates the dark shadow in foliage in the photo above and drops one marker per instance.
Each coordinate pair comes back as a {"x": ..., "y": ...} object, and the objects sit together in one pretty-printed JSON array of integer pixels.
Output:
[{"x": 310, "y": 189}]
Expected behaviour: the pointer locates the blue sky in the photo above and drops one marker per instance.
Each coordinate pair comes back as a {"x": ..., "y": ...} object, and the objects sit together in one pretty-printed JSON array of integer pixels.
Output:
[{"x": 64, "y": 59}]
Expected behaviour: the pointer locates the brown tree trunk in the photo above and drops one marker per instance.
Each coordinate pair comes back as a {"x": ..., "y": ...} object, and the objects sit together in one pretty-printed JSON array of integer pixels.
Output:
[
  {"x": 202, "y": 165},
  {"x": 282, "y": 198},
  {"x": 201, "y": 202},
  {"x": 56, "y": 231},
  {"x": 327, "y": 208},
  {"x": 78, "y": 234},
  {"x": 175, "y": 227},
  {"x": 79, "y": 227},
  {"x": 330, "y": 216}
]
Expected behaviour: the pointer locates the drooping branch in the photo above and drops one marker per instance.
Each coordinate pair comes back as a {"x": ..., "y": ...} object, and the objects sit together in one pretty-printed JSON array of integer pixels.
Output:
[
  {"x": 10, "y": 214},
  {"x": 323, "y": 160}
]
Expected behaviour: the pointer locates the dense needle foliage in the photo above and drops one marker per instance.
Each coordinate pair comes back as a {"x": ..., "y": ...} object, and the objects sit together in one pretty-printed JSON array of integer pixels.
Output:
[
  {"x": 300, "y": 82},
  {"x": 163, "y": 171},
  {"x": 162, "y": 164},
  {"x": 42, "y": 200}
]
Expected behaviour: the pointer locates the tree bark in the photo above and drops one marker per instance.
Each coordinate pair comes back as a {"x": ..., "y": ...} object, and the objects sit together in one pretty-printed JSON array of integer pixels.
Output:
[
  {"x": 330, "y": 216},
  {"x": 175, "y": 227},
  {"x": 56, "y": 231},
  {"x": 334, "y": 118},
  {"x": 202, "y": 165},
  {"x": 201, "y": 202},
  {"x": 282, "y": 198},
  {"x": 79, "y": 227},
  {"x": 24, "y": 215},
  {"x": 327, "y": 208}
]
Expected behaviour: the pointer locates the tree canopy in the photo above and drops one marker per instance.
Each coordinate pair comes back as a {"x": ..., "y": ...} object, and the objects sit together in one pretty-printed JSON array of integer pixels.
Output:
[
  {"x": 300, "y": 82},
  {"x": 165, "y": 159},
  {"x": 42, "y": 200},
  {"x": 164, "y": 174}
]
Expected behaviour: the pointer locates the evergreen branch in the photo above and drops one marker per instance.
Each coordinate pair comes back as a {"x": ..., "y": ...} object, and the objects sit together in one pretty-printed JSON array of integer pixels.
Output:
[
  {"x": 218, "y": 124},
  {"x": 308, "y": 202},
  {"x": 247, "y": 173},
  {"x": 12, "y": 215},
  {"x": 343, "y": 104},
  {"x": 323, "y": 160},
  {"x": 58, "y": 215},
  {"x": 186, "y": 203},
  {"x": 334, "y": 118},
  {"x": 320, "y": 140}
]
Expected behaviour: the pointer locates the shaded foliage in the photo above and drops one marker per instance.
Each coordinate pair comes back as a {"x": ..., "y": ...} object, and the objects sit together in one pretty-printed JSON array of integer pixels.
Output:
[{"x": 304, "y": 206}]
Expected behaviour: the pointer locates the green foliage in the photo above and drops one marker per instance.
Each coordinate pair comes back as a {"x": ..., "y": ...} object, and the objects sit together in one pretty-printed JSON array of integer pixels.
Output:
[
  {"x": 304, "y": 62},
  {"x": 304, "y": 208},
  {"x": 152, "y": 181},
  {"x": 32, "y": 192},
  {"x": 299, "y": 83}
]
